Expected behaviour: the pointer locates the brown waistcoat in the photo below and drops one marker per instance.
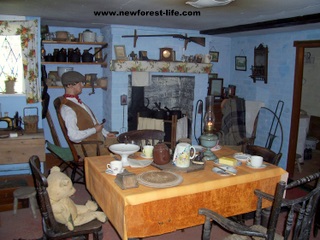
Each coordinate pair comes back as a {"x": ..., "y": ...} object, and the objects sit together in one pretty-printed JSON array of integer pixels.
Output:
[{"x": 84, "y": 119}]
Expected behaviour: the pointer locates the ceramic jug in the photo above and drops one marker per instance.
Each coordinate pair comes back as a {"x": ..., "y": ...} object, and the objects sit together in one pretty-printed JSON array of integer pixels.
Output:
[
  {"x": 181, "y": 157},
  {"x": 207, "y": 58}
]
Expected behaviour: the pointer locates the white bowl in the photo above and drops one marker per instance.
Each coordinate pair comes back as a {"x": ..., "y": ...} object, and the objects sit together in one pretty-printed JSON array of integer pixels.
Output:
[
  {"x": 62, "y": 70},
  {"x": 124, "y": 150}
]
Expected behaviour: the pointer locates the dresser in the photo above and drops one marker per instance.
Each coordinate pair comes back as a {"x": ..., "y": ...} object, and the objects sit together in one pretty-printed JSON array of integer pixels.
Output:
[
  {"x": 14, "y": 164},
  {"x": 20, "y": 149}
]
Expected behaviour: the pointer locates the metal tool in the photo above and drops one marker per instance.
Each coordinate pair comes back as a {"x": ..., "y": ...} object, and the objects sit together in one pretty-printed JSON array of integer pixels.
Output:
[
  {"x": 277, "y": 115},
  {"x": 123, "y": 102}
]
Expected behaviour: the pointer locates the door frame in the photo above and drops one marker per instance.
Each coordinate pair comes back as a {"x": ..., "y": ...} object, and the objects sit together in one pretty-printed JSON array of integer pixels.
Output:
[{"x": 296, "y": 100}]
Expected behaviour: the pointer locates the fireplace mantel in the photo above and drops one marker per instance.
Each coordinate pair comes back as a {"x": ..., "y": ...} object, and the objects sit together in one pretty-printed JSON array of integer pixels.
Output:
[{"x": 160, "y": 66}]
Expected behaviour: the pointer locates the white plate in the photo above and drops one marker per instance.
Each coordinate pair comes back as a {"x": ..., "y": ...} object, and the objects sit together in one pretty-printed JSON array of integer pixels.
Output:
[
  {"x": 262, "y": 166},
  {"x": 222, "y": 173},
  {"x": 216, "y": 148},
  {"x": 139, "y": 163},
  {"x": 242, "y": 156},
  {"x": 110, "y": 172},
  {"x": 144, "y": 156}
]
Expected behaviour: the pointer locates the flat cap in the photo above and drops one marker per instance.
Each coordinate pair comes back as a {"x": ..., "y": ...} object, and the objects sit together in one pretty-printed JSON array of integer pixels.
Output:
[{"x": 72, "y": 77}]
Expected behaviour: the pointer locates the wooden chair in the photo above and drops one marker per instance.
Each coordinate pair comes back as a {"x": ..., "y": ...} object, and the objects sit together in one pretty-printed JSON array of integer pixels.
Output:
[
  {"x": 301, "y": 211},
  {"x": 51, "y": 228},
  {"x": 268, "y": 155},
  {"x": 141, "y": 137},
  {"x": 76, "y": 163},
  {"x": 170, "y": 129},
  {"x": 64, "y": 154}
]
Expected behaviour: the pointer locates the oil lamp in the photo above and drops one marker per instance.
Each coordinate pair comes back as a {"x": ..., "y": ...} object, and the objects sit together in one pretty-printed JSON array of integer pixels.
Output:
[{"x": 208, "y": 139}]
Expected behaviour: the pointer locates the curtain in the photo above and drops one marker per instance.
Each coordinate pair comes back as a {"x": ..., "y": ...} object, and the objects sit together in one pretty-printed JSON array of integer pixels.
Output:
[{"x": 28, "y": 31}]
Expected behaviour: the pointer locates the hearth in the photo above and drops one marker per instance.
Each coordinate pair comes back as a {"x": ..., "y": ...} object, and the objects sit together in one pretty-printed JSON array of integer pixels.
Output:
[{"x": 175, "y": 93}]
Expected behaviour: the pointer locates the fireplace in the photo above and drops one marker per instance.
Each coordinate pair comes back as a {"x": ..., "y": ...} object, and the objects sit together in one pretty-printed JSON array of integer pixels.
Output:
[{"x": 172, "y": 92}]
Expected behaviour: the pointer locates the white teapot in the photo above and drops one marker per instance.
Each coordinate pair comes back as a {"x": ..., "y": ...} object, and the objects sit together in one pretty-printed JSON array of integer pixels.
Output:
[{"x": 181, "y": 157}]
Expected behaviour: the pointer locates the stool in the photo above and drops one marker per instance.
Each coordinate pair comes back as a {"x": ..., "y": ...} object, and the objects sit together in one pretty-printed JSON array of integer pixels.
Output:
[
  {"x": 298, "y": 163},
  {"x": 25, "y": 193}
]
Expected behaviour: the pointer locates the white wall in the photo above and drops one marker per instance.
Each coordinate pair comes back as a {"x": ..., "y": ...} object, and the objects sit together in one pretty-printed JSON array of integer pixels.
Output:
[{"x": 311, "y": 84}]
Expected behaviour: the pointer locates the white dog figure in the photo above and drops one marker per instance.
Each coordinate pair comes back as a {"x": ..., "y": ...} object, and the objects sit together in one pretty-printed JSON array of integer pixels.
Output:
[{"x": 65, "y": 211}]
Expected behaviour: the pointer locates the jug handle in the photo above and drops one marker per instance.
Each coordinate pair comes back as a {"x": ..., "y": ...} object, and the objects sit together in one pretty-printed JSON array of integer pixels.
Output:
[{"x": 194, "y": 152}]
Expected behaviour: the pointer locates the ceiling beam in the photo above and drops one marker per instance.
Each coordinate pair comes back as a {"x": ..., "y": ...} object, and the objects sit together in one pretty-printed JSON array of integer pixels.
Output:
[{"x": 284, "y": 22}]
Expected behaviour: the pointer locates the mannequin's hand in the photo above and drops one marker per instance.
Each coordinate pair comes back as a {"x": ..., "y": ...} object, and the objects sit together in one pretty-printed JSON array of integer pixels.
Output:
[
  {"x": 111, "y": 135},
  {"x": 98, "y": 127}
]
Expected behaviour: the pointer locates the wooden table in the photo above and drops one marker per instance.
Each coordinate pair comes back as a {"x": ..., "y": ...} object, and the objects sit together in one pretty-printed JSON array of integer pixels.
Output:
[{"x": 144, "y": 211}]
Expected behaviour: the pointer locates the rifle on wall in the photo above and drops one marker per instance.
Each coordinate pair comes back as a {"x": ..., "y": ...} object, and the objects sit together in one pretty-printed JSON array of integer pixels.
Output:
[{"x": 198, "y": 40}]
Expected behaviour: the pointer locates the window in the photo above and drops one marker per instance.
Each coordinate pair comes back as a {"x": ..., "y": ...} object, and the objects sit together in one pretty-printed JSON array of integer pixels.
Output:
[{"x": 11, "y": 62}]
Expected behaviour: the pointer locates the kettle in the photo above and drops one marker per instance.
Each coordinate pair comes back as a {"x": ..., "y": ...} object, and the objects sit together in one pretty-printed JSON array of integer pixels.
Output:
[
  {"x": 181, "y": 157},
  {"x": 161, "y": 154},
  {"x": 87, "y": 56}
]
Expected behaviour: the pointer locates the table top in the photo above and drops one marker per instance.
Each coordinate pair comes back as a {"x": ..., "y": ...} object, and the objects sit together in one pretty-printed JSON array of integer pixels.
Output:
[{"x": 194, "y": 184}]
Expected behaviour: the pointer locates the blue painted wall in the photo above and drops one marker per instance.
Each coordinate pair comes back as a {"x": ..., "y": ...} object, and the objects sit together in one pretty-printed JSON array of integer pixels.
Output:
[{"x": 280, "y": 74}]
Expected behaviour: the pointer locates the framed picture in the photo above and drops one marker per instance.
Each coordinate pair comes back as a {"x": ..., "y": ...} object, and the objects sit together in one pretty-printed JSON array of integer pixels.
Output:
[
  {"x": 120, "y": 51},
  {"x": 241, "y": 63},
  {"x": 213, "y": 75},
  {"x": 143, "y": 55},
  {"x": 214, "y": 56},
  {"x": 123, "y": 99},
  {"x": 215, "y": 87}
]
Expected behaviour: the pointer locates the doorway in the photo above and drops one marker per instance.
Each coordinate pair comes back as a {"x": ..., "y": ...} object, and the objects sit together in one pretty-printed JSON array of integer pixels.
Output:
[{"x": 296, "y": 103}]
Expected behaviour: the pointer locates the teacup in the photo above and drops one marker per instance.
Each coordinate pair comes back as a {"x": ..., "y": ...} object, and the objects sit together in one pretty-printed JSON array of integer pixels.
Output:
[
  {"x": 148, "y": 151},
  {"x": 255, "y": 161},
  {"x": 115, "y": 166}
]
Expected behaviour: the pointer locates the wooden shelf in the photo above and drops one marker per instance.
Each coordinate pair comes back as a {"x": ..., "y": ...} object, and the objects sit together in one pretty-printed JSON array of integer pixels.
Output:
[
  {"x": 103, "y": 64},
  {"x": 74, "y": 43},
  {"x": 160, "y": 66},
  {"x": 57, "y": 87}
]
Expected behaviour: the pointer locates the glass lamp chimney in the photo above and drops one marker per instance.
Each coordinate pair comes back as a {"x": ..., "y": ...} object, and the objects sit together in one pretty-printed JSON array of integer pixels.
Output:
[{"x": 209, "y": 117}]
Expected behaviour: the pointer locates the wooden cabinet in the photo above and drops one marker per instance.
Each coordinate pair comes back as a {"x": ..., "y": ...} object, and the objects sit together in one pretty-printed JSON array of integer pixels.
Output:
[
  {"x": 260, "y": 67},
  {"x": 20, "y": 149}
]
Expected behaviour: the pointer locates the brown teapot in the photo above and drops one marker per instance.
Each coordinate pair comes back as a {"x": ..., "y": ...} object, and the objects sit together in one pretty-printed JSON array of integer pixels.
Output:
[{"x": 161, "y": 154}]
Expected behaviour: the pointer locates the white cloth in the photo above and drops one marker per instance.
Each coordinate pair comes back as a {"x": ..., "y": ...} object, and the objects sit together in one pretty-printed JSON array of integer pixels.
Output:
[
  {"x": 252, "y": 109},
  {"x": 182, "y": 128},
  {"x": 140, "y": 79},
  {"x": 150, "y": 123},
  {"x": 70, "y": 118}
]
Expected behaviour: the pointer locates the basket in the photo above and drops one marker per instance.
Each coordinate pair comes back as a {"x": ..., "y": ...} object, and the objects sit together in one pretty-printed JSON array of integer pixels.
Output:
[{"x": 30, "y": 121}]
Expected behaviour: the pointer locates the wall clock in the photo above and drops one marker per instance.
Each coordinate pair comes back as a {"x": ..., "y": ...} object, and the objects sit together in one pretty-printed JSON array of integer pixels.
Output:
[{"x": 166, "y": 54}]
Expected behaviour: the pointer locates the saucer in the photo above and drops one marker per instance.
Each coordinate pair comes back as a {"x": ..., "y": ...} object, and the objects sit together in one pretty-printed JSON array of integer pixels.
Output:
[
  {"x": 262, "y": 166},
  {"x": 241, "y": 156},
  {"x": 216, "y": 148},
  {"x": 144, "y": 156},
  {"x": 110, "y": 172}
]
